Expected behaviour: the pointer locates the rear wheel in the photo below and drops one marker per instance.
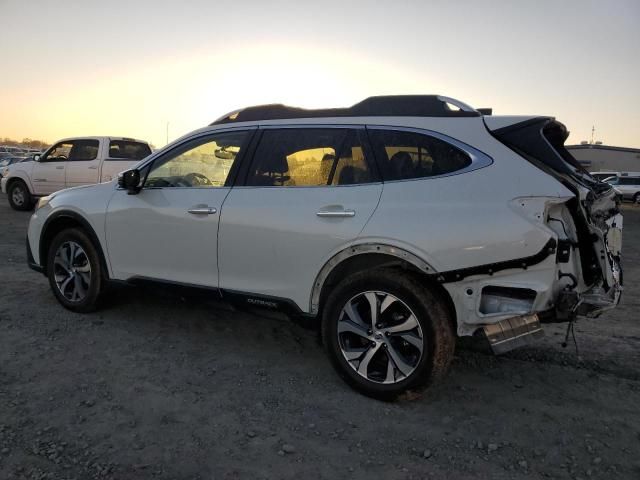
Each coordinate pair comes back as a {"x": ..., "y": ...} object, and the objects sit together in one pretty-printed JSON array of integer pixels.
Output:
[
  {"x": 386, "y": 332},
  {"x": 75, "y": 271},
  {"x": 19, "y": 196},
  {"x": 636, "y": 198}
]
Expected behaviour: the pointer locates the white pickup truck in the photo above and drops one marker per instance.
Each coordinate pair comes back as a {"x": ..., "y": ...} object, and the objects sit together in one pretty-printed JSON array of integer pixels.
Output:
[{"x": 69, "y": 163}]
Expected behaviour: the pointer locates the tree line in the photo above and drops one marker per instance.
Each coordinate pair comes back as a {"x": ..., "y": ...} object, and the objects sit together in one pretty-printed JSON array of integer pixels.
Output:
[{"x": 26, "y": 142}]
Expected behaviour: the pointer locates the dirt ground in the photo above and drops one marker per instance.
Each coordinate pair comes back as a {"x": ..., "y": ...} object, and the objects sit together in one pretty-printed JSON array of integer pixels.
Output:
[{"x": 161, "y": 386}]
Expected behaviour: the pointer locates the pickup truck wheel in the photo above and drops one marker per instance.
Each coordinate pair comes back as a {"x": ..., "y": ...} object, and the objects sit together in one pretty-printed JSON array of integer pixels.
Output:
[
  {"x": 385, "y": 333},
  {"x": 75, "y": 271},
  {"x": 19, "y": 196},
  {"x": 636, "y": 198}
]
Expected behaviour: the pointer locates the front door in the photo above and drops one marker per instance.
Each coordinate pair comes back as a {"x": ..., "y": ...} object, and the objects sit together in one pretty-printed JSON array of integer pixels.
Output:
[
  {"x": 169, "y": 230},
  {"x": 48, "y": 173},
  {"x": 308, "y": 194},
  {"x": 83, "y": 166}
]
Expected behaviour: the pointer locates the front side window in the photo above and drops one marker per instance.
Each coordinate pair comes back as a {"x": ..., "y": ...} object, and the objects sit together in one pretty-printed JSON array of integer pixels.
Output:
[
  {"x": 84, "y": 150},
  {"x": 204, "y": 162},
  {"x": 59, "y": 153},
  {"x": 407, "y": 155},
  {"x": 128, "y": 150},
  {"x": 304, "y": 157}
]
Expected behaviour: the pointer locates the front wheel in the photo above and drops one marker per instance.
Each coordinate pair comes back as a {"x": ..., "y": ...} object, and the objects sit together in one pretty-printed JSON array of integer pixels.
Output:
[
  {"x": 19, "y": 196},
  {"x": 386, "y": 332},
  {"x": 636, "y": 198},
  {"x": 75, "y": 271}
]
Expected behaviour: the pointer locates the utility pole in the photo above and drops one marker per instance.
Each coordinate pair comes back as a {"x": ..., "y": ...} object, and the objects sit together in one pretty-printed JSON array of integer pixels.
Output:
[{"x": 593, "y": 131}]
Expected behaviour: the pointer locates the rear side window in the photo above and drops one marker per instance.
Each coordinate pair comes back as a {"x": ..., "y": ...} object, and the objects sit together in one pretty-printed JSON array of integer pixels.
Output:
[
  {"x": 128, "y": 150},
  {"x": 84, "y": 150},
  {"x": 629, "y": 181},
  {"x": 407, "y": 155},
  {"x": 304, "y": 157}
]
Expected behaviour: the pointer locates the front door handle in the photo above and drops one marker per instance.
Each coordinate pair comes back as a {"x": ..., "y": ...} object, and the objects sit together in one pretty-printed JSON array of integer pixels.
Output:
[
  {"x": 336, "y": 213},
  {"x": 61, "y": 167},
  {"x": 94, "y": 167},
  {"x": 200, "y": 210}
]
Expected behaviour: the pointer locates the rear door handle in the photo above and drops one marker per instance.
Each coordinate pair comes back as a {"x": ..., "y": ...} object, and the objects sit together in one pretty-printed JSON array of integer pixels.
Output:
[
  {"x": 200, "y": 210},
  {"x": 61, "y": 167},
  {"x": 336, "y": 213},
  {"x": 95, "y": 167}
]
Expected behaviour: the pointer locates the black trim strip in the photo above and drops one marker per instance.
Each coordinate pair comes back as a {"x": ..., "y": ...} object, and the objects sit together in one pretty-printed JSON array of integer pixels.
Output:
[
  {"x": 491, "y": 268},
  {"x": 261, "y": 301},
  {"x": 30, "y": 261},
  {"x": 235, "y": 297},
  {"x": 141, "y": 281},
  {"x": 36, "y": 267}
]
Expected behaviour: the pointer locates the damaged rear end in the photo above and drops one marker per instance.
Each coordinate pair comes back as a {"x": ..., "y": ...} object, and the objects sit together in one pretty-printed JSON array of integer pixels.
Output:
[{"x": 586, "y": 230}]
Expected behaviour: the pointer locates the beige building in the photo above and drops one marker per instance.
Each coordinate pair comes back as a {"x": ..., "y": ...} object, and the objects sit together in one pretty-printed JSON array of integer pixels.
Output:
[{"x": 596, "y": 158}]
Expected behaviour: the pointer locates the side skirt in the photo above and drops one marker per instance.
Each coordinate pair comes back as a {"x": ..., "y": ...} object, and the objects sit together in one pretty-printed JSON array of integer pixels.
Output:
[
  {"x": 234, "y": 297},
  {"x": 268, "y": 302}
]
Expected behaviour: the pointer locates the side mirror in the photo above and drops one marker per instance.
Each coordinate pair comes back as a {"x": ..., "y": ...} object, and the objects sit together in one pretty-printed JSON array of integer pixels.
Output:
[
  {"x": 130, "y": 181},
  {"x": 36, "y": 157}
]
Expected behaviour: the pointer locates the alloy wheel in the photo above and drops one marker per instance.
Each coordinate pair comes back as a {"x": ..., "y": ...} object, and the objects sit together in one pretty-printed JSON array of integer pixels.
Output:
[
  {"x": 72, "y": 271},
  {"x": 18, "y": 195},
  {"x": 380, "y": 337}
]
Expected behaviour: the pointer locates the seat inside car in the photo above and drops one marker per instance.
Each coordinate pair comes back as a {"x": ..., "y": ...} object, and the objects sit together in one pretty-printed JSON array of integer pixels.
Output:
[
  {"x": 401, "y": 165},
  {"x": 272, "y": 173}
]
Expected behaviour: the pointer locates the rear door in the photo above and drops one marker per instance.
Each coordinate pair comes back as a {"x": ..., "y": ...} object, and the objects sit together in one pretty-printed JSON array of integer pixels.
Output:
[
  {"x": 48, "y": 174},
  {"x": 83, "y": 166},
  {"x": 309, "y": 192}
]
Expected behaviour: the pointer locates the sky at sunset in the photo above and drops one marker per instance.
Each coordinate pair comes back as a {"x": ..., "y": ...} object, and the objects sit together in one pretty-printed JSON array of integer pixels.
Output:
[{"x": 73, "y": 68}]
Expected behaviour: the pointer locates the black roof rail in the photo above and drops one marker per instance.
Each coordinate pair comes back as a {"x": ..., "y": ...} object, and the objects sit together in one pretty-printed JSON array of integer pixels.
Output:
[{"x": 386, "y": 106}]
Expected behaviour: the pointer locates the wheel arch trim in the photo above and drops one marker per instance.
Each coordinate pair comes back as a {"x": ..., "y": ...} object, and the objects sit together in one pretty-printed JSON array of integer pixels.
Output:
[
  {"x": 354, "y": 250},
  {"x": 20, "y": 175},
  {"x": 86, "y": 226}
]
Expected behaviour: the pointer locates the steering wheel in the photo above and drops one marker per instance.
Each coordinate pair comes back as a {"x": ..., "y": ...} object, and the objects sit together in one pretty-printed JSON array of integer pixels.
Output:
[{"x": 197, "y": 179}]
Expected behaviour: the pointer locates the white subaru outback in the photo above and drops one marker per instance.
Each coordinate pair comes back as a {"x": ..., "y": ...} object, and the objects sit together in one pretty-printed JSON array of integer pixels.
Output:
[{"x": 400, "y": 223}]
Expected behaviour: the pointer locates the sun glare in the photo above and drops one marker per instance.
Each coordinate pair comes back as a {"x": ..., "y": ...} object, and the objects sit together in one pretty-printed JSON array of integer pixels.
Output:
[{"x": 166, "y": 99}]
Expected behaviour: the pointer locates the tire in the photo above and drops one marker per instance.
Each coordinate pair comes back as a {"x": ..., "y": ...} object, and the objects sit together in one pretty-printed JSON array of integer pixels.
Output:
[
  {"x": 77, "y": 284},
  {"x": 19, "y": 196},
  {"x": 636, "y": 198},
  {"x": 393, "y": 364}
]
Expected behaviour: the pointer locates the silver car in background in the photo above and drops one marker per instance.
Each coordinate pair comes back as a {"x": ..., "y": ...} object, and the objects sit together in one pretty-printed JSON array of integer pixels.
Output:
[{"x": 627, "y": 187}]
